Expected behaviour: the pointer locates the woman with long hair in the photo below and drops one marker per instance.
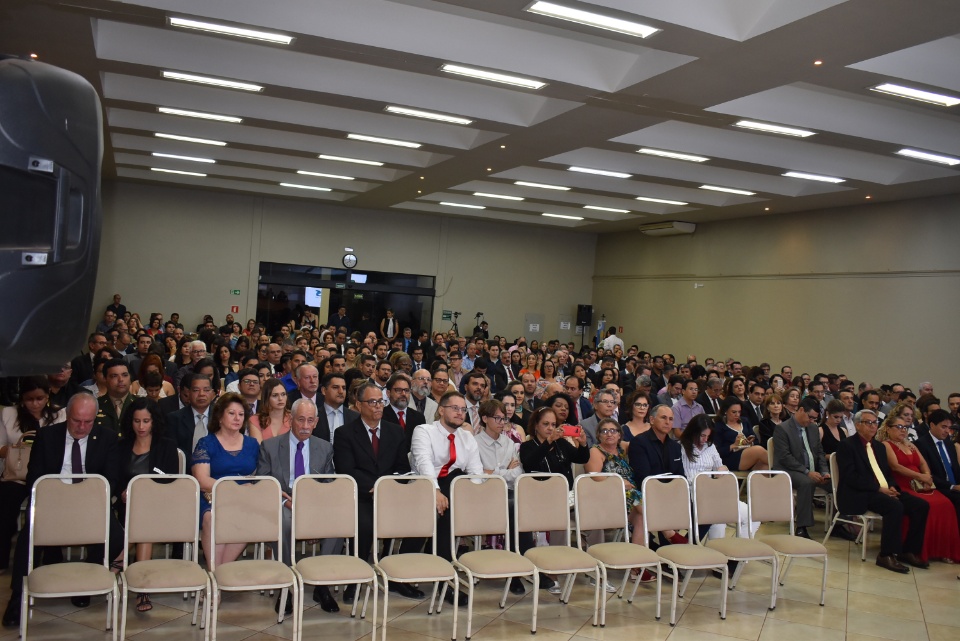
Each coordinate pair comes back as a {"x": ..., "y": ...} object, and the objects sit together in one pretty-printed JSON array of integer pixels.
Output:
[
  {"x": 638, "y": 405},
  {"x": 736, "y": 441},
  {"x": 151, "y": 363},
  {"x": 272, "y": 417}
]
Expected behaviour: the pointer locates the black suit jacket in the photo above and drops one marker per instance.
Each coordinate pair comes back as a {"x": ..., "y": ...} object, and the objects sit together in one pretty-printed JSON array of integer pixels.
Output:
[
  {"x": 704, "y": 400},
  {"x": 82, "y": 368},
  {"x": 931, "y": 453},
  {"x": 498, "y": 376},
  {"x": 168, "y": 405},
  {"x": 857, "y": 481},
  {"x": 46, "y": 455},
  {"x": 353, "y": 454},
  {"x": 749, "y": 416},
  {"x": 322, "y": 430},
  {"x": 646, "y": 460},
  {"x": 411, "y": 418},
  {"x": 180, "y": 426}
]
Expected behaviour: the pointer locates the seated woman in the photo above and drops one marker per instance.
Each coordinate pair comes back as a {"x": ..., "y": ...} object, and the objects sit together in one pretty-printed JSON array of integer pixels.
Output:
[
  {"x": 608, "y": 455},
  {"x": 773, "y": 414},
  {"x": 941, "y": 541},
  {"x": 736, "y": 441},
  {"x": 831, "y": 431},
  {"x": 151, "y": 363},
  {"x": 791, "y": 402},
  {"x": 225, "y": 451},
  {"x": 511, "y": 429},
  {"x": 639, "y": 404},
  {"x": 531, "y": 366},
  {"x": 272, "y": 417}
]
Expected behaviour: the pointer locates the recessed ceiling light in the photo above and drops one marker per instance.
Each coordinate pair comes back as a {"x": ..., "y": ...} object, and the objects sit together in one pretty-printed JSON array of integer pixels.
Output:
[
  {"x": 223, "y": 29},
  {"x": 818, "y": 62},
  {"x": 766, "y": 209},
  {"x": 524, "y": 183},
  {"x": 464, "y": 205},
  {"x": 773, "y": 129},
  {"x": 357, "y": 161},
  {"x": 671, "y": 154},
  {"x": 202, "y": 141},
  {"x": 34, "y": 56},
  {"x": 190, "y": 158},
  {"x": 198, "y": 114},
  {"x": 662, "y": 201},
  {"x": 492, "y": 76},
  {"x": 314, "y": 173},
  {"x": 916, "y": 94},
  {"x": 206, "y": 80},
  {"x": 923, "y": 155},
  {"x": 562, "y": 216},
  {"x": 429, "y": 115},
  {"x": 385, "y": 141},
  {"x": 348, "y": 249},
  {"x": 729, "y": 190},
  {"x": 614, "y": 210},
  {"x": 823, "y": 179},
  {"x": 592, "y": 19},
  {"x": 868, "y": 197},
  {"x": 296, "y": 186},
  {"x": 177, "y": 171},
  {"x": 501, "y": 196},
  {"x": 599, "y": 172}
]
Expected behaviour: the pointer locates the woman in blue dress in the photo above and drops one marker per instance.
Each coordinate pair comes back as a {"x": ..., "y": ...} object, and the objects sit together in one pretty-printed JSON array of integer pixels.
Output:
[
  {"x": 736, "y": 441},
  {"x": 225, "y": 451}
]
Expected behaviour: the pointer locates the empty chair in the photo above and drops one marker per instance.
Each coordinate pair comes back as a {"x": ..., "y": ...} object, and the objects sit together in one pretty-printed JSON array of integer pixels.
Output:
[
  {"x": 599, "y": 505},
  {"x": 864, "y": 520},
  {"x": 818, "y": 492},
  {"x": 666, "y": 506}
]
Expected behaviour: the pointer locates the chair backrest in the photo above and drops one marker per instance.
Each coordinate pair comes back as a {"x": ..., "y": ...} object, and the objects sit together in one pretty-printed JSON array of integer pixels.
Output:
[
  {"x": 834, "y": 474},
  {"x": 181, "y": 462},
  {"x": 247, "y": 509},
  {"x": 599, "y": 503},
  {"x": 163, "y": 508},
  {"x": 715, "y": 499},
  {"x": 666, "y": 503},
  {"x": 478, "y": 508},
  {"x": 541, "y": 504},
  {"x": 770, "y": 496},
  {"x": 404, "y": 507},
  {"x": 64, "y": 513},
  {"x": 770, "y": 456},
  {"x": 324, "y": 507}
]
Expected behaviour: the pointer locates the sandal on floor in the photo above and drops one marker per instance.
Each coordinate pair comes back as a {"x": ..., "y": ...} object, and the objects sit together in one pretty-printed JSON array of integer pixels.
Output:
[
  {"x": 143, "y": 603},
  {"x": 116, "y": 567}
]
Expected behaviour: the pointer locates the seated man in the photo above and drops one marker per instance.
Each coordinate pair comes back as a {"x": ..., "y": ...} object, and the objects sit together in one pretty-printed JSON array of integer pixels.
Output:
[
  {"x": 937, "y": 449},
  {"x": 654, "y": 452},
  {"x": 866, "y": 483}
]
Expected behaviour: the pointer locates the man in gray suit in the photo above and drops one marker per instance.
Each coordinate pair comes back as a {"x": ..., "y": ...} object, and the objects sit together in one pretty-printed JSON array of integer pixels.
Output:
[
  {"x": 604, "y": 404},
  {"x": 798, "y": 452},
  {"x": 289, "y": 456}
]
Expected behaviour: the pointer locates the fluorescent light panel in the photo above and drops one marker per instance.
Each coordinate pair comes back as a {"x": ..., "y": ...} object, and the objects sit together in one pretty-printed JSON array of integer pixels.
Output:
[
  {"x": 916, "y": 94},
  {"x": 923, "y": 155},
  {"x": 599, "y": 172},
  {"x": 357, "y": 161},
  {"x": 384, "y": 141},
  {"x": 592, "y": 19},
  {"x": 729, "y": 190},
  {"x": 562, "y": 216},
  {"x": 201, "y": 141},
  {"x": 492, "y": 76},
  {"x": 429, "y": 115},
  {"x": 198, "y": 114},
  {"x": 207, "y": 80},
  {"x": 315, "y": 173},
  {"x": 296, "y": 186},
  {"x": 614, "y": 210},
  {"x": 190, "y": 158},
  {"x": 662, "y": 201},
  {"x": 773, "y": 129},
  {"x": 501, "y": 196},
  {"x": 524, "y": 183},
  {"x": 805, "y": 176},
  {"x": 226, "y": 30},
  {"x": 671, "y": 154},
  {"x": 448, "y": 204},
  {"x": 177, "y": 171}
]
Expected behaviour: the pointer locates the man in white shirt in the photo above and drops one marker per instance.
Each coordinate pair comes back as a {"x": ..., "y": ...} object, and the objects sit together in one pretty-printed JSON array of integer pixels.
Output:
[{"x": 611, "y": 340}]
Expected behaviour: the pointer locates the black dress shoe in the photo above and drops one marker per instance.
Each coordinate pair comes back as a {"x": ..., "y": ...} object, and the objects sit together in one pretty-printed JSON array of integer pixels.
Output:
[
  {"x": 516, "y": 586},
  {"x": 288, "y": 610},
  {"x": 406, "y": 591},
  {"x": 890, "y": 562},
  {"x": 321, "y": 594},
  {"x": 11, "y": 616},
  {"x": 802, "y": 532},
  {"x": 545, "y": 582},
  {"x": 80, "y": 601},
  {"x": 462, "y": 600},
  {"x": 349, "y": 594},
  {"x": 843, "y": 533},
  {"x": 912, "y": 559}
]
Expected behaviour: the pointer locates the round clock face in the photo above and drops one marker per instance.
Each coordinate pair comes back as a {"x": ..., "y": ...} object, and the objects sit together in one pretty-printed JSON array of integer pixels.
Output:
[{"x": 349, "y": 261}]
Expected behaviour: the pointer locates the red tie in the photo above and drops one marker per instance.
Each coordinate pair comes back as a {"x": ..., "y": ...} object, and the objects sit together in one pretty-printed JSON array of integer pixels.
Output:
[
  {"x": 453, "y": 457},
  {"x": 403, "y": 423},
  {"x": 375, "y": 442}
]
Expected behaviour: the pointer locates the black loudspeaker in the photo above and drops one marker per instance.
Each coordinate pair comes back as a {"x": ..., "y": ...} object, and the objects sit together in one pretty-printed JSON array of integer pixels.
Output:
[
  {"x": 51, "y": 146},
  {"x": 584, "y": 314}
]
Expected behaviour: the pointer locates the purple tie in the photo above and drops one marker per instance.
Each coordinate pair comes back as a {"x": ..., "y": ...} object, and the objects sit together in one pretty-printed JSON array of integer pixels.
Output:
[
  {"x": 298, "y": 470},
  {"x": 76, "y": 460}
]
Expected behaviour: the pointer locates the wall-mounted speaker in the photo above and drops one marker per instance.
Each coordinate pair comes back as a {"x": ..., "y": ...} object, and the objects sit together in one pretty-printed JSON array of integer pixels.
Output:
[{"x": 584, "y": 314}]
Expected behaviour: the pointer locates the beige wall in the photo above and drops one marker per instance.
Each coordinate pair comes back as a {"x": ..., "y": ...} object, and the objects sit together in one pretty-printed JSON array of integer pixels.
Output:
[
  {"x": 870, "y": 291},
  {"x": 169, "y": 249}
]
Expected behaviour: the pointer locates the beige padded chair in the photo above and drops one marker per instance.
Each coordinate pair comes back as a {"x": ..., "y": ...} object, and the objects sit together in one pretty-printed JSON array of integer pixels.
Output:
[
  {"x": 63, "y": 513},
  {"x": 328, "y": 510},
  {"x": 770, "y": 498},
  {"x": 181, "y": 462},
  {"x": 599, "y": 504},
  {"x": 481, "y": 509},
  {"x": 666, "y": 506},
  {"x": 716, "y": 500},
  {"x": 247, "y": 509},
  {"x": 864, "y": 520},
  {"x": 163, "y": 512},
  {"x": 541, "y": 504},
  {"x": 818, "y": 492},
  {"x": 406, "y": 507}
]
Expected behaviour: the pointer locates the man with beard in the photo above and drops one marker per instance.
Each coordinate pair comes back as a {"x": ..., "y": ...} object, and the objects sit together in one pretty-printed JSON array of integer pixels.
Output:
[
  {"x": 475, "y": 389},
  {"x": 398, "y": 410},
  {"x": 381, "y": 376},
  {"x": 420, "y": 390}
]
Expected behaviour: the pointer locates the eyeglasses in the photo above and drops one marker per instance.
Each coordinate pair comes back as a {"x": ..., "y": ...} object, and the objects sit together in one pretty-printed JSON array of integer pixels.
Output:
[
  {"x": 455, "y": 408},
  {"x": 250, "y": 381},
  {"x": 401, "y": 390},
  {"x": 609, "y": 430},
  {"x": 606, "y": 402},
  {"x": 871, "y": 423},
  {"x": 498, "y": 419},
  {"x": 892, "y": 427},
  {"x": 375, "y": 402},
  {"x": 641, "y": 405},
  {"x": 441, "y": 380}
]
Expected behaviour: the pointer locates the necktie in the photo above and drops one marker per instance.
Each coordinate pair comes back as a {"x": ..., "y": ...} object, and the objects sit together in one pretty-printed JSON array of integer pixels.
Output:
[
  {"x": 403, "y": 423},
  {"x": 716, "y": 406},
  {"x": 445, "y": 470},
  {"x": 946, "y": 463},
  {"x": 199, "y": 424},
  {"x": 298, "y": 469},
  {"x": 806, "y": 446},
  {"x": 876, "y": 468},
  {"x": 576, "y": 412},
  {"x": 76, "y": 461},
  {"x": 118, "y": 407},
  {"x": 474, "y": 421},
  {"x": 375, "y": 442}
]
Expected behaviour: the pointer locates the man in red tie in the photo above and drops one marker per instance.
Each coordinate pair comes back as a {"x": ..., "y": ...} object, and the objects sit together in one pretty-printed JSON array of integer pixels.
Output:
[{"x": 399, "y": 410}]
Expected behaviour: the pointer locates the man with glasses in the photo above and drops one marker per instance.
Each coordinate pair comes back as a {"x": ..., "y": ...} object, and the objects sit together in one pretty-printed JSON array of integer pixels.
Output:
[
  {"x": 420, "y": 394},
  {"x": 866, "y": 483},
  {"x": 604, "y": 404},
  {"x": 248, "y": 386},
  {"x": 398, "y": 408},
  {"x": 198, "y": 351},
  {"x": 439, "y": 382},
  {"x": 83, "y": 364}
]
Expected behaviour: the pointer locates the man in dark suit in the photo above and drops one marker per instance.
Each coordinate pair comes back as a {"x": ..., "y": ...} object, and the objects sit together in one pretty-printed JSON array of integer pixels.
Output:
[
  {"x": 752, "y": 409},
  {"x": 83, "y": 364},
  {"x": 398, "y": 409},
  {"x": 334, "y": 391},
  {"x": 496, "y": 371},
  {"x": 937, "y": 449},
  {"x": 709, "y": 398},
  {"x": 310, "y": 455},
  {"x": 866, "y": 483},
  {"x": 654, "y": 452},
  {"x": 170, "y": 404},
  {"x": 77, "y": 446},
  {"x": 189, "y": 425},
  {"x": 582, "y": 410},
  {"x": 307, "y": 378}
]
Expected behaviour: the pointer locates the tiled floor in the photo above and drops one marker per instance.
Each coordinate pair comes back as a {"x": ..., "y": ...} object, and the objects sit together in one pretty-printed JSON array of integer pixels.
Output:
[{"x": 864, "y": 603}]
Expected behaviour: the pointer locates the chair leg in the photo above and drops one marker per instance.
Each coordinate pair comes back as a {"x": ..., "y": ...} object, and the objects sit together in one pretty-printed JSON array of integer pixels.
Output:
[
  {"x": 686, "y": 581},
  {"x": 602, "y": 569},
  {"x": 724, "y": 572},
  {"x": 503, "y": 597},
  {"x": 636, "y": 584},
  {"x": 124, "y": 596},
  {"x": 659, "y": 588},
  {"x": 213, "y": 607},
  {"x": 823, "y": 585},
  {"x": 435, "y": 604},
  {"x": 536, "y": 601},
  {"x": 773, "y": 582},
  {"x": 568, "y": 588},
  {"x": 456, "y": 601},
  {"x": 597, "y": 586},
  {"x": 833, "y": 523},
  {"x": 786, "y": 570},
  {"x": 736, "y": 574},
  {"x": 469, "y": 605},
  {"x": 673, "y": 594},
  {"x": 864, "y": 533}
]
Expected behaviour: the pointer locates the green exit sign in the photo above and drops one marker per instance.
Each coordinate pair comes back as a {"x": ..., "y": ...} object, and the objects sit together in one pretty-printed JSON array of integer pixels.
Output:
[{"x": 235, "y": 292}]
